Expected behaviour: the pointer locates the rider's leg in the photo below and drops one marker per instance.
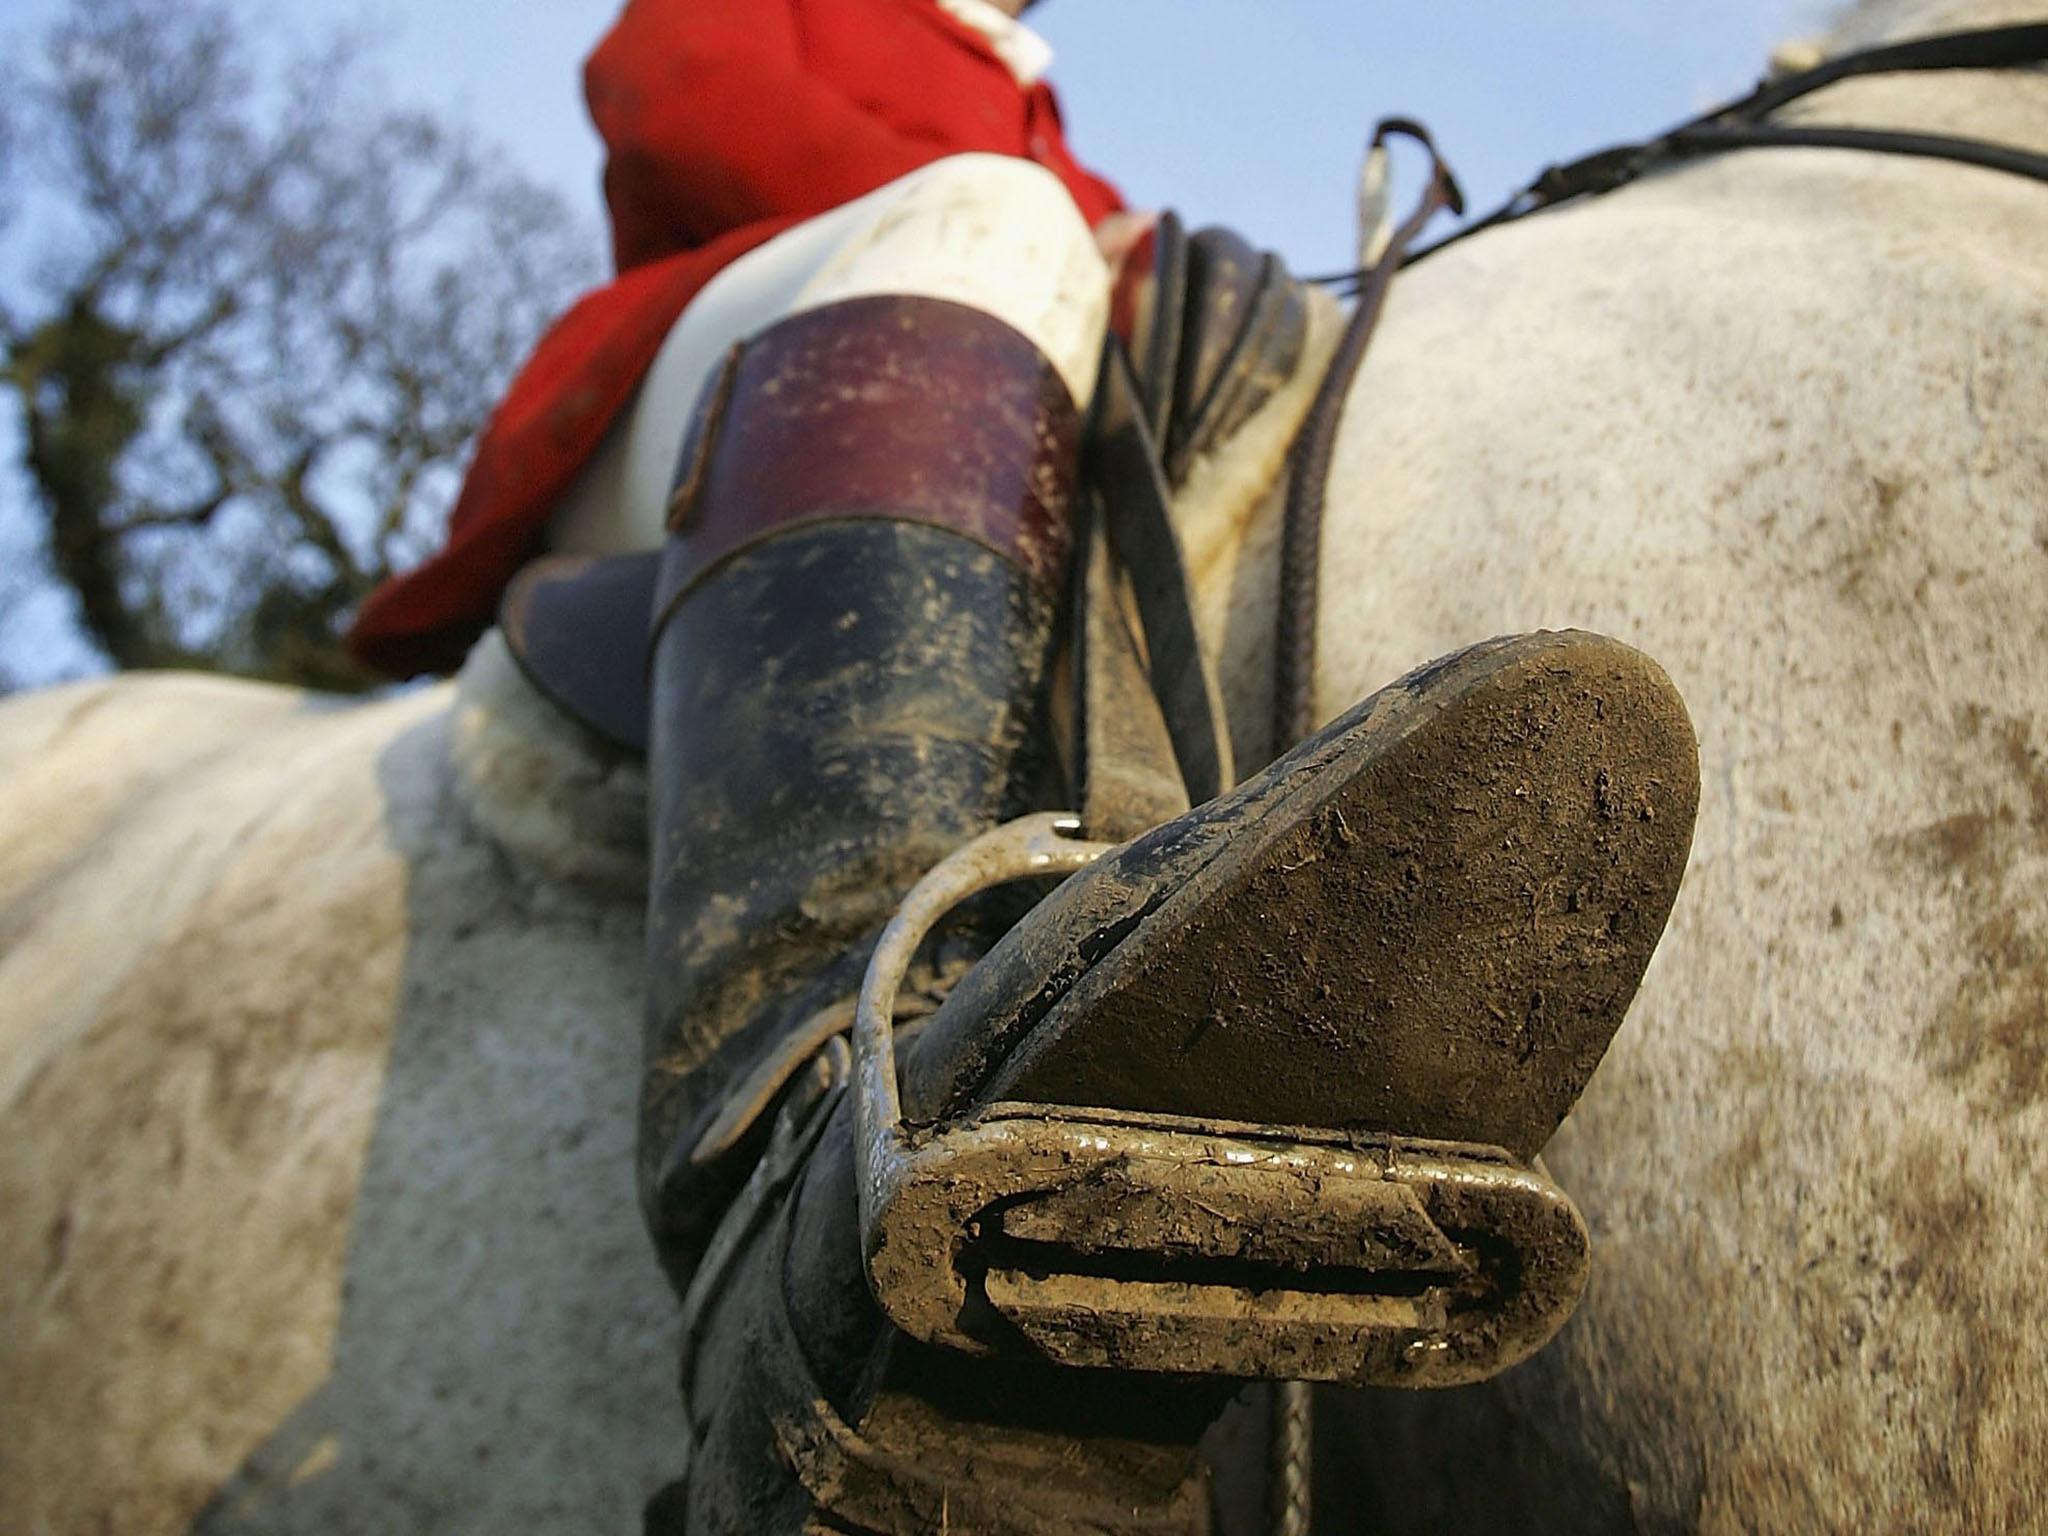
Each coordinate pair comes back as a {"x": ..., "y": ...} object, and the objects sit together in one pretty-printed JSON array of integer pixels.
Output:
[
  {"x": 857, "y": 612},
  {"x": 849, "y": 678},
  {"x": 996, "y": 234}
]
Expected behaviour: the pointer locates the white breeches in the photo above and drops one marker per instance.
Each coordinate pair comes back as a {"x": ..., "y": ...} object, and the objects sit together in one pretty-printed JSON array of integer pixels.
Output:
[{"x": 995, "y": 233}]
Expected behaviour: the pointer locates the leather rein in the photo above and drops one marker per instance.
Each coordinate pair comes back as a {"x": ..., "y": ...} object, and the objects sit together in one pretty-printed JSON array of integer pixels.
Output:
[{"x": 1739, "y": 124}]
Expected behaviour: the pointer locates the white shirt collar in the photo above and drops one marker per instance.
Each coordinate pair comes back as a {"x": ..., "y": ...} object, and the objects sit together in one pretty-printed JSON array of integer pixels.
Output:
[{"x": 1027, "y": 54}]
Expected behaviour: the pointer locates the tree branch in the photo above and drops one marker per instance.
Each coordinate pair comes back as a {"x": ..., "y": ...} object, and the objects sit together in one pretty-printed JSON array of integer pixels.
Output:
[
  {"x": 197, "y": 515},
  {"x": 300, "y": 312}
]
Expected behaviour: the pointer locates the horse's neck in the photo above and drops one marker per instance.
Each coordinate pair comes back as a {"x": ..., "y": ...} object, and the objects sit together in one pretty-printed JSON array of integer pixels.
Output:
[
  {"x": 2014, "y": 111},
  {"x": 1871, "y": 22}
]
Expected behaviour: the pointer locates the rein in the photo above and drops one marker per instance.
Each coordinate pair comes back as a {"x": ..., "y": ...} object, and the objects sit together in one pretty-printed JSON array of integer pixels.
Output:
[
  {"x": 1738, "y": 124},
  {"x": 1741, "y": 124}
]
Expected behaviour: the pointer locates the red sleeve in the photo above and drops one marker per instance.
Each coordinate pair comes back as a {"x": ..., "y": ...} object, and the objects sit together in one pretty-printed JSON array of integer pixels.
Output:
[{"x": 712, "y": 123}]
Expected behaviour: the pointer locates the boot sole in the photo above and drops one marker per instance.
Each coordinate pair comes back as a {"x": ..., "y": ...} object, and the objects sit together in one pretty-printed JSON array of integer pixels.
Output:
[
  {"x": 1283, "y": 1062},
  {"x": 1428, "y": 921}
]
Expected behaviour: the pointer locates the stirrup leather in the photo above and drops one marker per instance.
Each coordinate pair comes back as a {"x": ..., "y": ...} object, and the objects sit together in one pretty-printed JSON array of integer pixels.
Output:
[{"x": 1101, "y": 1237}]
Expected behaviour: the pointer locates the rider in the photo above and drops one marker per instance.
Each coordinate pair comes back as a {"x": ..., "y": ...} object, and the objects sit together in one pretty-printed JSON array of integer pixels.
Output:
[
  {"x": 732, "y": 126},
  {"x": 821, "y": 440}
]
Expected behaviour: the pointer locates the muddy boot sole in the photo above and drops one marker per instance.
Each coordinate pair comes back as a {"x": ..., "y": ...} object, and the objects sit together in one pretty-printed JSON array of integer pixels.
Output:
[
  {"x": 1224, "y": 1104},
  {"x": 1427, "y": 920},
  {"x": 1257, "y": 1093}
]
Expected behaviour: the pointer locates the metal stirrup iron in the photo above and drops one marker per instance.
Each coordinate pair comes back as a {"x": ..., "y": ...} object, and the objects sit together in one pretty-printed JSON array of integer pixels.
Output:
[{"x": 1149, "y": 1242}]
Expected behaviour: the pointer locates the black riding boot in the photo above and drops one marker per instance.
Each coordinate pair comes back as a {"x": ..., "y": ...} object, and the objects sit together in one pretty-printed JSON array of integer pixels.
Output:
[
  {"x": 1256, "y": 1094},
  {"x": 852, "y": 645}
]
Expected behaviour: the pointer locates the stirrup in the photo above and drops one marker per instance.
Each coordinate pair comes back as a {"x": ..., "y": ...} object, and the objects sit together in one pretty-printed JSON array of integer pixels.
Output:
[{"x": 1145, "y": 1242}]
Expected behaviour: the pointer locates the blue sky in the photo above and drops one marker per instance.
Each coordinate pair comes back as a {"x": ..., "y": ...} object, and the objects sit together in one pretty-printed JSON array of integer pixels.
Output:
[
  {"x": 1244, "y": 112},
  {"x": 1251, "y": 112},
  {"x": 1248, "y": 112}
]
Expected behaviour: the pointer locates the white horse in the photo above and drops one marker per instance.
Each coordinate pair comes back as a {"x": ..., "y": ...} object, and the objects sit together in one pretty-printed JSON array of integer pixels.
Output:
[
  {"x": 318, "y": 1024},
  {"x": 1780, "y": 419},
  {"x": 316, "y": 1207}
]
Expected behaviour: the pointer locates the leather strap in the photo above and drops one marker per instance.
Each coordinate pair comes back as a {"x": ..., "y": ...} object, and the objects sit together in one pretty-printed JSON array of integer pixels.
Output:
[
  {"x": 1241, "y": 340},
  {"x": 1129, "y": 777},
  {"x": 1155, "y": 339},
  {"x": 1740, "y": 124},
  {"x": 1122, "y": 464},
  {"x": 1220, "y": 329},
  {"x": 1301, "y": 529}
]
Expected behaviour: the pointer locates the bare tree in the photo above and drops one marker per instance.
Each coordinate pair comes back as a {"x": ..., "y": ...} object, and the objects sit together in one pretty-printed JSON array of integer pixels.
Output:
[{"x": 267, "y": 316}]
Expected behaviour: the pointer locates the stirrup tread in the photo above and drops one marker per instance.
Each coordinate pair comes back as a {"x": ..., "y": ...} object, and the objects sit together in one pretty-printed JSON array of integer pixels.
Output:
[{"x": 1152, "y": 1243}]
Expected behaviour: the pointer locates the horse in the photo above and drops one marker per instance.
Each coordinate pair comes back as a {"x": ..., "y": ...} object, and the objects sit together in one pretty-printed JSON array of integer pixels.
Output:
[
  {"x": 1775, "y": 418},
  {"x": 316, "y": 1175},
  {"x": 320, "y": 1026}
]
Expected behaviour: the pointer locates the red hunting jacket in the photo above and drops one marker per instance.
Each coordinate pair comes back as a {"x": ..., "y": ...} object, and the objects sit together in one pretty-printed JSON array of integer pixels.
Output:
[{"x": 726, "y": 122}]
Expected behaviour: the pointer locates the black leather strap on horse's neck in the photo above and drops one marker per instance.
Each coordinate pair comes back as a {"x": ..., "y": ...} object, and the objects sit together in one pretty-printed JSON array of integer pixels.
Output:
[{"x": 1741, "y": 124}]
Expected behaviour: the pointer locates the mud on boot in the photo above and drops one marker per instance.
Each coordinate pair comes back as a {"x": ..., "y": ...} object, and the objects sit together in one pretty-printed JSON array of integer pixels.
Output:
[
  {"x": 1258, "y": 1093},
  {"x": 854, "y": 631}
]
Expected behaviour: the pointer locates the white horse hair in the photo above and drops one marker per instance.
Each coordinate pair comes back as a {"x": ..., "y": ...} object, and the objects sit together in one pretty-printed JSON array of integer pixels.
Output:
[
  {"x": 1777, "y": 419},
  {"x": 539, "y": 785},
  {"x": 316, "y": 1197},
  {"x": 319, "y": 1024}
]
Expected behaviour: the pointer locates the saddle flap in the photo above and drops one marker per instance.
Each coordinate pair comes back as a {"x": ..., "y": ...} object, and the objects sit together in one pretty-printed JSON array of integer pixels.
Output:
[{"x": 1242, "y": 337}]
